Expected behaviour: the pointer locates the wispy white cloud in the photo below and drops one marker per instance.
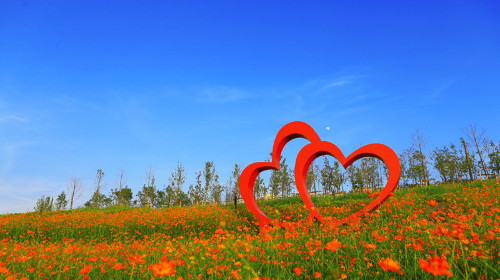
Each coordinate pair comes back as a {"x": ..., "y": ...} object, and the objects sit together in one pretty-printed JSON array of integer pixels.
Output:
[
  {"x": 13, "y": 118},
  {"x": 338, "y": 82},
  {"x": 20, "y": 195},
  {"x": 8, "y": 152},
  {"x": 219, "y": 94},
  {"x": 439, "y": 90}
]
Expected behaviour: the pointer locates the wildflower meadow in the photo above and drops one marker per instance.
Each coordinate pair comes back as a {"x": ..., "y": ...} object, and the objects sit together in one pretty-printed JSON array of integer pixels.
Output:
[{"x": 437, "y": 232}]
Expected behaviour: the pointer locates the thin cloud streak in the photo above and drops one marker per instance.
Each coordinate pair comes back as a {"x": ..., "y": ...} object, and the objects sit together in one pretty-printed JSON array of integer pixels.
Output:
[
  {"x": 13, "y": 118},
  {"x": 219, "y": 94}
]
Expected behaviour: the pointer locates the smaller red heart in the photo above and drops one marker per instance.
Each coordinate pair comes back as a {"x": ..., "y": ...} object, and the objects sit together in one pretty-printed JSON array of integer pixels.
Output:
[
  {"x": 247, "y": 178},
  {"x": 316, "y": 149}
]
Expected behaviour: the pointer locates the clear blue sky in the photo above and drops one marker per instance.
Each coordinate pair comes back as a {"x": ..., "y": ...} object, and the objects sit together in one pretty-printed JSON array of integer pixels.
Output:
[{"x": 132, "y": 84}]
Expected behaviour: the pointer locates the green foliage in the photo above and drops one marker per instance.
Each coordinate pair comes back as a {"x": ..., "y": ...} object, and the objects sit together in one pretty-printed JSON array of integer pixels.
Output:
[
  {"x": 416, "y": 168},
  {"x": 44, "y": 204},
  {"x": 494, "y": 157},
  {"x": 332, "y": 178},
  {"x": 195, "y": 191},
  {"x": 98, "y": 200},
  {"x": 232, "y": 187},
  {"x": 61, "y": 202},
  {"x": 122, "y": 196}
]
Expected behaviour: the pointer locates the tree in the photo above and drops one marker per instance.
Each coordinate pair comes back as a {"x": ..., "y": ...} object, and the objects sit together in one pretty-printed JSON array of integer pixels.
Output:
[
  {"x": 183, "y": 199},
  {"x": 195, "y": 192},
  {"x": 212, "y": 188},
  {"x": 170, "y": 196},
  {"x": 260, "y": 187},
  {"x": 403, "y": 160},
  {"x": 232, "y": 186},
  {"x": 285, "y": 181},
  {"x": 147, "y": 196},
  {"x": 162, "y": 199},
  {"x": 494, "y": 157},
  {"x": 177, "y": 180},
  {"x": 98, "y": 199},
  {"x": 331, "y": 177},
  {"x": 416, "y": 170},
  {"x": 449, "y": 163},
  {"x": 75, "y": 190},
  {"x": 419, "y": 155},
  {"x": 479, "y": 141},
  {"x": 327, "y": 176},
  {"x": 61, "y": 202},
  {"x": 370, "y": 171},
  {"x": 274, "y": 183},
  {"x": 44, "y": 204},
  {"x": 313, "y": 177},
  {"x": 469, "y": 161},
  {"x": 121, "y": 194},
  {"x": 443, "y": 163},
  {"x": 355, "y": 176}
]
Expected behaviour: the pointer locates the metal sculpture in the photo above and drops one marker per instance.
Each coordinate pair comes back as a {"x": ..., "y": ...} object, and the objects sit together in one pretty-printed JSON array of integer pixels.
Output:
[{"x": 306, "y": 156}]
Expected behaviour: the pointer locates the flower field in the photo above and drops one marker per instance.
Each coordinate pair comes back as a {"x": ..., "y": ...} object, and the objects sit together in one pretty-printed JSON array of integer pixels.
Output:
[{"x": 445, "y": 232}]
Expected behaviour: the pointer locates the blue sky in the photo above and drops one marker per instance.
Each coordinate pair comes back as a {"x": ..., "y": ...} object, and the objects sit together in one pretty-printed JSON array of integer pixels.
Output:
[{"x": 137, "y": 84}]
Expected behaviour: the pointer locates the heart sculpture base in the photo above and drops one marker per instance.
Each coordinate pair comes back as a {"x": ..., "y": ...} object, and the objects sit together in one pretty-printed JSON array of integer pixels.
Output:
[{"x": 305, "y": 158}]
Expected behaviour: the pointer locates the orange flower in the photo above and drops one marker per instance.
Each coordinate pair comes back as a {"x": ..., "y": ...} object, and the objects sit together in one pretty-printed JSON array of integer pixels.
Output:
[
  {"x": 432, "y": 202},
  {"x": 4, "y": 270},
  {"x": 118, "y": 266},
  {"x": 165, "y": 267},
  {"x": 86, "y": 269},
  {"x": 389, "y": 264},
  {"x": 436, "y": 266},
  {"x": 31, "y": 269},
  {"x": 333, "y": 245},
  {"x": 370, "y": 246},
  {"x": 136, "y": 259},
  {"x": 267, "y": 237},
  {"x": 317, "y": 275},
  {"x": 298, "y": 270}
]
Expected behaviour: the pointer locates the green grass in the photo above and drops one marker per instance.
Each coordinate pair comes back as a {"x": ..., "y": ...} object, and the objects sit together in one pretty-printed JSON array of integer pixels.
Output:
[{"x": 407, "y": 229}]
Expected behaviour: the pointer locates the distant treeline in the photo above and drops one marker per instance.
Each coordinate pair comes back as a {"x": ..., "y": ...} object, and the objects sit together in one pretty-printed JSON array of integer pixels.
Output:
[{"x": 472, "y": 157}]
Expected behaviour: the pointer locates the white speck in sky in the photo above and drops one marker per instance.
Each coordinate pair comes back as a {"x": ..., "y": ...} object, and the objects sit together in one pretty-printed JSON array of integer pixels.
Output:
[{"x": 327, "y": 128}]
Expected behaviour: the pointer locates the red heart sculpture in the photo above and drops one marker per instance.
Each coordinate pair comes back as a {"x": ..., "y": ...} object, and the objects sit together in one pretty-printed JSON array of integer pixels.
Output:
[
  {"x": 316, "y": 149},
  {"x": 305, "y": 157},
  {"x": 249, "y": 175}
]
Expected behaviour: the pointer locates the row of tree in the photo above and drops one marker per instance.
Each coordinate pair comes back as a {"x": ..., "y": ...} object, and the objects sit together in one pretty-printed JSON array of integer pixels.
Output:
[{"x": 468, "y": 160}]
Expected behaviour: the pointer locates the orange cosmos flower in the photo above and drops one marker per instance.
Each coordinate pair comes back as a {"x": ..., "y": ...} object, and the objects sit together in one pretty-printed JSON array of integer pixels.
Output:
[
  {"x": 432, "y": 202},
  {"x": 436, "y": 266},
  {"x": 370, "y": 246},
  {"x": 136, "y": 259},
  {"x": 389, "y": 264},
  {"x": 86, "y": 269},
  {"x": 317, "y": 275},
  {"x": 118, "y": 266},
  {"x": 4, "y": 270},
  {"x": 298, "y": 270},
  {"x": 333, "y": 245},
  {"x": 31, "y": 269},
  {"x": 165, "y": 267}
]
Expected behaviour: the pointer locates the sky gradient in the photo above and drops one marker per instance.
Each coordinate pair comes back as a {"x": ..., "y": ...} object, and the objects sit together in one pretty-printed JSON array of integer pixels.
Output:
[{"x": 128, "y": 85}]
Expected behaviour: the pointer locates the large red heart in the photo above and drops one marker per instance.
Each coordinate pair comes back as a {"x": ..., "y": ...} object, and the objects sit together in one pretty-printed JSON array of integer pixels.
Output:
[
  {"x": 249, "y": 175},
  {"x": 305, "y": 157},
  {"x": 316, "y": 149}
]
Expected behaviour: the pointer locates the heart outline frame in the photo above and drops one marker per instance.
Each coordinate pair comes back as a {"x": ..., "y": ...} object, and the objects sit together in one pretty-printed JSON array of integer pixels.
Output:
[{"x": 306, "y": 156}]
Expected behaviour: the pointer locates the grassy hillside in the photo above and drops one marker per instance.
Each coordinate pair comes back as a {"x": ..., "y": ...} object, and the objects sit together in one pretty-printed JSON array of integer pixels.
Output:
[{"x": 454, "y": 227}]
